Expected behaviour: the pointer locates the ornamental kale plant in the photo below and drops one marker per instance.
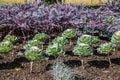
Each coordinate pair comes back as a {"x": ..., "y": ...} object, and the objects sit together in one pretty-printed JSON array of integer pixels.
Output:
[
  {"x": 60, "y": 40},
  {"x": 88, "y": 39},
  {"x": 32, "y": 43},
  {"x": 6, "y": 47},
  {"x": 106, "y": 49},
  {"x": 10, "y": 38},
  {"x": 116, "y": 37},
  {"x": 69, "y": 33},
  {"x": 40, "y": 37},
  {"x": 33, "y": 53},
  {"x": 82, "y": 50},
  {"x": 54, "y": 50},
  {"x": 110, "y": 19}
]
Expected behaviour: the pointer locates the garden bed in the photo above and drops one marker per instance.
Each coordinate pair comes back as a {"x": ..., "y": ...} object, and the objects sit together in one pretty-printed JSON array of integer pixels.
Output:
[
  {"x": 96, "y": 67},
  {"x": 39, "y": 35}
]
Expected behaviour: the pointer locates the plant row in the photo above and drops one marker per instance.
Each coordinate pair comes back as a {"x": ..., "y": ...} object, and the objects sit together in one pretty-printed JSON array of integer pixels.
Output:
[
  {"x": 84, "y": 45},
  {"x": 33, "y": 18}
]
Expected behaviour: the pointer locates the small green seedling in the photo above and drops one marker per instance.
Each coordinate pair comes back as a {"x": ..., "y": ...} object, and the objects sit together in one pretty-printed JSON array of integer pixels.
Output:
[
  {"x": 69, "y": 34},
  {"x": 33, "y": 53},
  {"x": 107, "y": 48},
  {"x": 54, "y": 50},
  {"x": 83, "y": 50},
  {"x": 10, "y": 38},
  {"x": 88, "y": 39}
]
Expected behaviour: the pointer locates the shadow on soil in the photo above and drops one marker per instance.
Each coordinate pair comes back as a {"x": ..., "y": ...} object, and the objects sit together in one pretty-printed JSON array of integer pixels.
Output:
[
  {"x": 116, "y": 61},
  {"x": 69, "y": 53},
  {"x": 99, "y": 64},
  {"x": 48, "y": 67},
  {"x": 1, "y": 57},
  {"x": 97, "y": 54},
  {"x": 11, "y": 65},
  {"x": 73, "y": 63},
  {"x": 69, "y": 63}
]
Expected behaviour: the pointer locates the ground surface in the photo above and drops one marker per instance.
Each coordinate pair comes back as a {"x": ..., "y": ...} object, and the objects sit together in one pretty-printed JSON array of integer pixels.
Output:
[{"x": 96, "y": 67}]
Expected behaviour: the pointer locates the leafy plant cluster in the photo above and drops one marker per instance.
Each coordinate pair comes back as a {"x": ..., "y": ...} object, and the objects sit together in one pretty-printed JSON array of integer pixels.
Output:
[
  {"x": 31, "y": 18},
  {"x": 84, "y": 45},
  {"x": 7, "y": 45},
  {"x": 36, "y": 19}
]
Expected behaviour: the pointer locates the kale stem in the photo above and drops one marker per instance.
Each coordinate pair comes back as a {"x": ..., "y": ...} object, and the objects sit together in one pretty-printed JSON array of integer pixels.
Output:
[
  {"x": 31, "y": 66},
  {"x": 42, "y": 47},
  {"x": 49, "y": 40},
  {"x": 70, "y": 42},
  {"x": 82, "y": 63},
  {"x": 109, "y": 61}
]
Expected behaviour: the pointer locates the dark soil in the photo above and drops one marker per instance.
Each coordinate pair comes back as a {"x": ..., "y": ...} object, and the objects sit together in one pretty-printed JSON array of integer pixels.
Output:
[{"x": 96, "y": 67}]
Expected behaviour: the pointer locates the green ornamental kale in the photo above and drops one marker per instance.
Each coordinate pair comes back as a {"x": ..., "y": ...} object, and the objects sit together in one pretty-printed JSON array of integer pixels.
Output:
[
  {"x": 110, "y": 19},
  {"x": 55, "y": 49},
  {"x": 82, "y": 50},
  {"x": 33, "y": 53},
  {"x": 32, "y": 43},
  {"x": 106, "y": 48},
  {"x": 60, "y": 40},
  {"x": 69, "y": 33},
  {"x": 10, "y": 38},
  {"x": 116, "y": 37},
  {"x": 88, "y": 39},
  {"x": 41, "y": 37},
  {"x": 6, "y": 47}
]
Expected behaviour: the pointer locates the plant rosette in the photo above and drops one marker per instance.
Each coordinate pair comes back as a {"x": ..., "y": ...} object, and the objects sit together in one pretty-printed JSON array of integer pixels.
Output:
[
  {"x": 32, "y": 43},
  {"x": 41, "y": 37},
  {"x": 116, "y": 37},
  {"x": 34, "y": 53},
  {"x": 110, "y": 19},
  {"x": 60, "y": 40},
  {"x": 88, "y": 39},
  {"x": 69, "y": 33},
  {"x": 83, "y": 50},
  {"x": 55, "y": 50},
  {"x": 6, "y": 47},
  {"x": 106, "y": 48},
  {"x": 10, "y": 38}
]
